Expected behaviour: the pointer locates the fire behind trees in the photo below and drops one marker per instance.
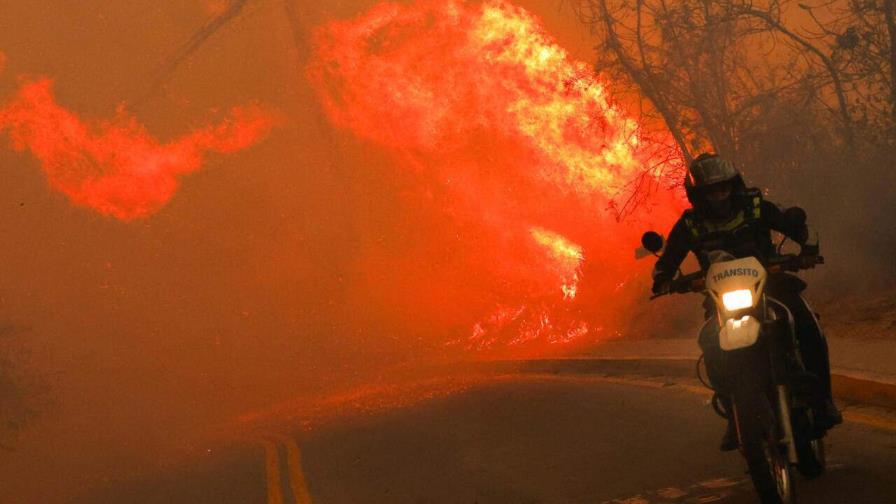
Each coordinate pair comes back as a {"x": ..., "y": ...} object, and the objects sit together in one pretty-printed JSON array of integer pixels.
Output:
[{"x": 520, "y": 148}]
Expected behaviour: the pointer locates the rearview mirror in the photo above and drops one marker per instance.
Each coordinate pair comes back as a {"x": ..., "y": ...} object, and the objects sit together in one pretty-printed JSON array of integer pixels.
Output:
[{"x": 652, "y": 241}]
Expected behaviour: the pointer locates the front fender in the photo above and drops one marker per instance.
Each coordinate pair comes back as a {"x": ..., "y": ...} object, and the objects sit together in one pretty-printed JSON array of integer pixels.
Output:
[{"x": 739, "y": 333}]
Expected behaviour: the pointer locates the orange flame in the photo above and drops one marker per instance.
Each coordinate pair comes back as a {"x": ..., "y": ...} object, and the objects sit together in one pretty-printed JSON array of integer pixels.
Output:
[
  {"x": 115, "y": 166},
  {"x": 509, "y": 137},
  {"x": 566, "y": 256}
]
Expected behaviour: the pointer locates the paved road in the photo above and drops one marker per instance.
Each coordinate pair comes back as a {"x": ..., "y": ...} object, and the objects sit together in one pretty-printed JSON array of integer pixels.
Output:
[{"x": 526, "y": 441}]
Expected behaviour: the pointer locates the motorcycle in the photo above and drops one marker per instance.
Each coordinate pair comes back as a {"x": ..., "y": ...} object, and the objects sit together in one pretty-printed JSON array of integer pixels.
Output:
[{"x": 773, "y": 399}]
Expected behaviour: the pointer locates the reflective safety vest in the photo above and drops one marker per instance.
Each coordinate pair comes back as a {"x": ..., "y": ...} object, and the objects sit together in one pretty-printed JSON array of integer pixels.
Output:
[{"x": 740, "y": 235}]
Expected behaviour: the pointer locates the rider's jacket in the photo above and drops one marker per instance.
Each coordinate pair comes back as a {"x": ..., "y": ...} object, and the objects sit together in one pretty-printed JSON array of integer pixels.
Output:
[{"x": 746, "y": 232}]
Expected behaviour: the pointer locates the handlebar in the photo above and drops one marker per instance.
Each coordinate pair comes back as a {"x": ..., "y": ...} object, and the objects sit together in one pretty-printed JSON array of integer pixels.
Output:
[
  {"x": 696, "y": 281},
  {"x": 793, "y": 262}
]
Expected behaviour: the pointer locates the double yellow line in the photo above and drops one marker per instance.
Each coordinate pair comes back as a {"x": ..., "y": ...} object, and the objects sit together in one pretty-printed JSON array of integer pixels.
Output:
[{"x": 273, "y": 467}]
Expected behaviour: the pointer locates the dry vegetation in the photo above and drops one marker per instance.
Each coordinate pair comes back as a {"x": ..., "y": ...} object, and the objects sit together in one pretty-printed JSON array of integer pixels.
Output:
[{"x": 802, "y": 96}]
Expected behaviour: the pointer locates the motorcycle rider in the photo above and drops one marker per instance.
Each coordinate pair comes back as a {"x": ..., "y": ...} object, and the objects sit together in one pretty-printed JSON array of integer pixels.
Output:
[{"x": 727, "y": 216}]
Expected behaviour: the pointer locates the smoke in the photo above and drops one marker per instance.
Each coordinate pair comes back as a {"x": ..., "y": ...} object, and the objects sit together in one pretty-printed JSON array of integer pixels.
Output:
[
  {"x": 467, "y": 200},
  {"x": 521, "y": 148},
  {"x": 115, "y": 166},
  {"x": 475, "y": 213}
]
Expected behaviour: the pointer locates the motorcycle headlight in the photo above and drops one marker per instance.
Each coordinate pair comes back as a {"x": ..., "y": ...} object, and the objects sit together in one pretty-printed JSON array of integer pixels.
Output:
[{"x": 738, "y": 300}]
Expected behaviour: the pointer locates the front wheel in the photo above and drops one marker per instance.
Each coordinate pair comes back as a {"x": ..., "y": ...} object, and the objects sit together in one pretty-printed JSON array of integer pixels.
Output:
[
  {"x": 758, "y": 425},
  {"x": 771, "y": 473}
]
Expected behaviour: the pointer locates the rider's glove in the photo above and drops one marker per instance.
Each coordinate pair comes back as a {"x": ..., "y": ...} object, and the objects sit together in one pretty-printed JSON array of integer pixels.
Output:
[
  {"x": 808, "y": 261},
  {"x": 808, "y": 255},
  {"x": 808, "y": 249}
]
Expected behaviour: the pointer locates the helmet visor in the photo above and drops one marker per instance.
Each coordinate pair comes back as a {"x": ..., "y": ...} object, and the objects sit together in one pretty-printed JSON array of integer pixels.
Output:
[{"x": 711, "y": 171}]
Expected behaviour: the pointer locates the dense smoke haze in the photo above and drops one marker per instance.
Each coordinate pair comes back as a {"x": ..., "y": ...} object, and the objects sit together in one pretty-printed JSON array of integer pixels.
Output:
[{"x": 317, "y": 194}]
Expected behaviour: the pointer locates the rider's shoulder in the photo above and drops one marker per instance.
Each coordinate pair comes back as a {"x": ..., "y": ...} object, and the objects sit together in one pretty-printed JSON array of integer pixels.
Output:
[
  {"x": 756, "y": 199},
  {"x": 687, "y": 221}
]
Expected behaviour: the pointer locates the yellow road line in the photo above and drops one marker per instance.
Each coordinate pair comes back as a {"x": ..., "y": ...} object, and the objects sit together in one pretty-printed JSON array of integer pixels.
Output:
[
  {"x": 272, "y": 468},
  {"x": 296, "y": 475}
]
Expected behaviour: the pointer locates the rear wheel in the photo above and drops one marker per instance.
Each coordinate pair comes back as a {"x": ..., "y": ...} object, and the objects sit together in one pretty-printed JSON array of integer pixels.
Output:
[{"x": 812, "y": 457}]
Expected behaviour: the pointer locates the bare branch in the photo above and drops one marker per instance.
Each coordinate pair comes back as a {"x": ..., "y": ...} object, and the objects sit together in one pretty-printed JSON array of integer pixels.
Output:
[
  {"x": 642, "y": 80},
  {"x": 825, "y": 60}
]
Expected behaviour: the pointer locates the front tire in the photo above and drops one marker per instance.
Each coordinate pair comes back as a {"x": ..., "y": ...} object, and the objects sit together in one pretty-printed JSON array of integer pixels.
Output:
[
  {"x": 771, "y": 473},
  {"x": 757, "y": 422}
]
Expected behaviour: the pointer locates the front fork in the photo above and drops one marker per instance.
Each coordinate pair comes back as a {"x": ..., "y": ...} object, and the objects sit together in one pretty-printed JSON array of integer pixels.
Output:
[
  {"x": 786, "y": 424},
  {"x": 784, "y": 421},
  {"x": 781, "y": 394},
  {"x": 778, "y": 358}
]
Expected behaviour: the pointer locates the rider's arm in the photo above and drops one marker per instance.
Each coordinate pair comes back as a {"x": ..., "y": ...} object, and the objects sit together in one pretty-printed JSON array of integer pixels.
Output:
[
  {"x": 774, "y": 219},
  {"x": 677, "y": 247}
]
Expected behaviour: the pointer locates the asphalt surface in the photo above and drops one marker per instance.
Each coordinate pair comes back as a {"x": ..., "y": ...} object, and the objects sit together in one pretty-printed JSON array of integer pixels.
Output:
[{"x": 527, "y": 440}]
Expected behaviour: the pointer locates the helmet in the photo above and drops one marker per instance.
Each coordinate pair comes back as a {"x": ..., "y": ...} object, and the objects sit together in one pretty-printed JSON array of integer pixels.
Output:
[{"x": 708, "y": 169}]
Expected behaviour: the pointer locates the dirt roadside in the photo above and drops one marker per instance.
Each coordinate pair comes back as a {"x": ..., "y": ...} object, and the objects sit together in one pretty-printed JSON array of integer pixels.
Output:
[{"x": 861, "y": 317}]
